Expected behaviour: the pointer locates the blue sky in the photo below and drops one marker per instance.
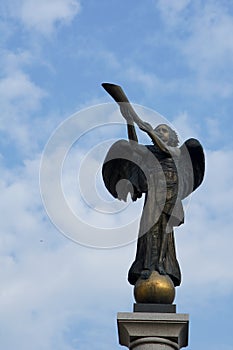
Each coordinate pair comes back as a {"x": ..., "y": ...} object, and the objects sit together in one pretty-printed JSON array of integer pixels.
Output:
[{"x": 172, "y": 57}]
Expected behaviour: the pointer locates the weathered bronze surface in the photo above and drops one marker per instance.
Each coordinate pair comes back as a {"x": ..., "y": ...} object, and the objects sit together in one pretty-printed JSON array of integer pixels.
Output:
[{"x": 166, "y": 174}]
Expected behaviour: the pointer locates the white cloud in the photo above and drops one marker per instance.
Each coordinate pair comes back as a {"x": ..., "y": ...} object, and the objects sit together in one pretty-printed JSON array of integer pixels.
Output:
[
  {"x": 171, "y": 10},
  {"x": 48, "y": 282},
  {"x": 185, "y": 129},
  {"x": 201, "y": 33},
  {"x": 13, "y": 61},
  {"x": 18, "y": 87},
  {"x": 150, "y": 82},
  {"x": 210, "y": 29},
  {"x": 209, "y": 48},
  {"x": 137, "y": 75},
  {"x": 19, "y": 97},
  {"x": 42, "y": 16}
]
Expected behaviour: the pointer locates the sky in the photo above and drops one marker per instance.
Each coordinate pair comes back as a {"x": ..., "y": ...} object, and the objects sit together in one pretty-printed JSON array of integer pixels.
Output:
[{"x": 65, "y": 244}]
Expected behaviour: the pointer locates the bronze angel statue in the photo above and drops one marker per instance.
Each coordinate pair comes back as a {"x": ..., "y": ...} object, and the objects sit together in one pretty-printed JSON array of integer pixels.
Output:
[{"x": 166, "y": 174}]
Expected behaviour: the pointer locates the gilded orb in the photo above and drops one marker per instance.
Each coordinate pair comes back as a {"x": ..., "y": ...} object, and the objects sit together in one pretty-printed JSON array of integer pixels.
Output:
[{"x": 157, "y": 289}]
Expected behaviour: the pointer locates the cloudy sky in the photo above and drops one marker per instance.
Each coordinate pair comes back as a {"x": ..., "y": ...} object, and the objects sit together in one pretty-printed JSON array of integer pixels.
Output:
[{"x": 65, "y": 246}]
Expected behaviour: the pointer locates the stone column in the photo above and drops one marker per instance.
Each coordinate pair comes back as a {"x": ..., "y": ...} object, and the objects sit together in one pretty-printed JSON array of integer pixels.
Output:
[{"x": 153, "y": 330}]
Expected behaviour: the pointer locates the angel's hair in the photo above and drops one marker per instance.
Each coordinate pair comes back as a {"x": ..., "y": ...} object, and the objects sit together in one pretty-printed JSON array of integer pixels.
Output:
[{"x": 173, "y": 138}]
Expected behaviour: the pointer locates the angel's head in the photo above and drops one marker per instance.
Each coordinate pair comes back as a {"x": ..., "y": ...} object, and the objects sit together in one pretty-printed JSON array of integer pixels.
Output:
[{"x": 167, "y": 134}]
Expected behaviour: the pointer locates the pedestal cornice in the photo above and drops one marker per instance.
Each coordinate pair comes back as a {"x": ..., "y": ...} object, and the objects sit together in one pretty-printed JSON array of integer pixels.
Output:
[{"x": 139, "y": 325}]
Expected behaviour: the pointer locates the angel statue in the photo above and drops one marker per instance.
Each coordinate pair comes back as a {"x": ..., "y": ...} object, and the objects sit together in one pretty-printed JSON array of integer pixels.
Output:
[{"x": 166, "y": 174}]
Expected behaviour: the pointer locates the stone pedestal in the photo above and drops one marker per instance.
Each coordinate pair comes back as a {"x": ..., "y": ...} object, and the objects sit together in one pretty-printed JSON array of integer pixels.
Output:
[{"x": 153, "y": 330}]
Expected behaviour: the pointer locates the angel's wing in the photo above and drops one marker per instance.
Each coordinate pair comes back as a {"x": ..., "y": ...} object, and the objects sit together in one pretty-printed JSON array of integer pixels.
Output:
[
  {"x": 122, "y": 173},
  {"x": 191, "y": 167},
  {"x": 126, "y": 166}
]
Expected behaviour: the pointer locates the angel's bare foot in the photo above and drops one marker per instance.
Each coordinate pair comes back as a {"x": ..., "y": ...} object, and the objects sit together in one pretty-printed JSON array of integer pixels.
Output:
[
  {"x": 145, "y": 274},
  {"x": 161, "y": 269}
]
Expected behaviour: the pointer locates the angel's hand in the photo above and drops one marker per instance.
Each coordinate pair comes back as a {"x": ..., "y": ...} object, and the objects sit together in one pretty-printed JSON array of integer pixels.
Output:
[
  {"x": 144, "y": 126},
  {"x": 156, "y": 133}
]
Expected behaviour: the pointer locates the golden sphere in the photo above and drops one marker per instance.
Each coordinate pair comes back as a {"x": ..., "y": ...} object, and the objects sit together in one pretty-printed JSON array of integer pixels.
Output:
[{"x": 157, "y": 289}]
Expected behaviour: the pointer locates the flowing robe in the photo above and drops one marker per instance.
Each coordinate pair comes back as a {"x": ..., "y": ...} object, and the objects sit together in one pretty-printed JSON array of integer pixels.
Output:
[{"x": 161, "y": 212}]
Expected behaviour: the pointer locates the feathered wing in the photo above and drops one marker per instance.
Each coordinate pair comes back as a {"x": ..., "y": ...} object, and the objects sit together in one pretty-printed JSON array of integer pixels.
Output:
[
  {"x": 122, "y": 162},
  {"x": 128, "y": 161},
  {"x": 191, "y": 167}
]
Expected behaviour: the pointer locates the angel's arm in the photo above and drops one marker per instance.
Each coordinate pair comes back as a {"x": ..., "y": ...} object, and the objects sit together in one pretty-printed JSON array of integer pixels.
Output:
[
  {"x": 126, "y": 111},
  {"x": 131, "y": 116},
  {"x": 173, "y": 151},
  {"x": 132, "y": 133}
]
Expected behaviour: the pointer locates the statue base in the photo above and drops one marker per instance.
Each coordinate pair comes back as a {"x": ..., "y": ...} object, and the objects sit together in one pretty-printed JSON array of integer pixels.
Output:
[
  {"x": 157, "y": 289},
  {"x": 160, "y": 308}
]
